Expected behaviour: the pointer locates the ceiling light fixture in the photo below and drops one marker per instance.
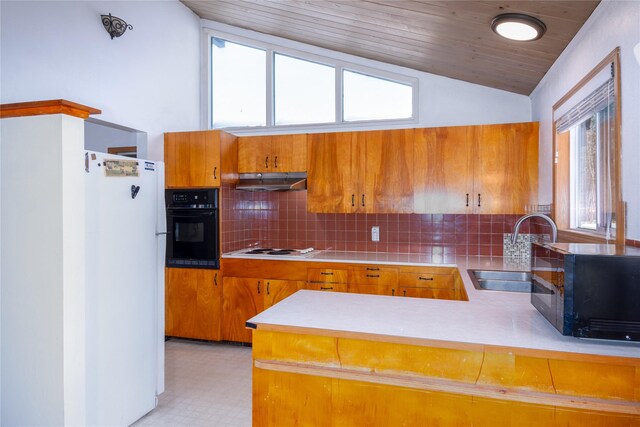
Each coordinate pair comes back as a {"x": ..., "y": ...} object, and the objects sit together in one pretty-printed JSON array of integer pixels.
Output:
[{"x": 517, "y": 26}]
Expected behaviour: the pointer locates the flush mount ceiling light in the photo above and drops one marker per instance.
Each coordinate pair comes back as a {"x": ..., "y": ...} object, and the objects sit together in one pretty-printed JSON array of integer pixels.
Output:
[
  {"x": 115, "y": 26},
  {"x": 517, "y": 26}
]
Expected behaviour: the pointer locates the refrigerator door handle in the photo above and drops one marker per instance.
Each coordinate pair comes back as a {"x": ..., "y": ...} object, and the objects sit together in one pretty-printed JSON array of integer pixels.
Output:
[{"x": 160, "y": 233}]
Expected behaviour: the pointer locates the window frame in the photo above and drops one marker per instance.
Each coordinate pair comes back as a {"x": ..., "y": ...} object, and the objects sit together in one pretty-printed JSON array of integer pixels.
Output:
[
  {"x": 560, "y": 164},
  {"x": 337, "y": 64}
]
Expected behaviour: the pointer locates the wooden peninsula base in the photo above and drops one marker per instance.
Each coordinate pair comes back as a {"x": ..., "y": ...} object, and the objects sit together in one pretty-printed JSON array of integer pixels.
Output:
[{"x": 328, "y": 378}]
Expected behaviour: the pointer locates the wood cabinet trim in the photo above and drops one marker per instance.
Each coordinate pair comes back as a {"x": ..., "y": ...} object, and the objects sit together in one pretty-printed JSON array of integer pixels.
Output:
[
  {"x": 454, "y": 345},
  {"x": 54, "y": 106},
  {"x": 440, "y": 385}
]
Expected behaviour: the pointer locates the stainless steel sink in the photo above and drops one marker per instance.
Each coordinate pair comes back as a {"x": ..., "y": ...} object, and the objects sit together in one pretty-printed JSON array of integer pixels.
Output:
[{"x": 497, "y": 280}]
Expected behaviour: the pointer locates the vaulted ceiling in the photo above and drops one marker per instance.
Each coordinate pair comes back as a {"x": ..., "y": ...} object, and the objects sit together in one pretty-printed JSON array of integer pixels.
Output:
[{"x": 448, "y": 38}]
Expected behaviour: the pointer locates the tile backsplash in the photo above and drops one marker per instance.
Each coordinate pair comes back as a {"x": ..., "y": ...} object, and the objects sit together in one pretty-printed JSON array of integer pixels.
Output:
[{"x": 281, "y": 220}]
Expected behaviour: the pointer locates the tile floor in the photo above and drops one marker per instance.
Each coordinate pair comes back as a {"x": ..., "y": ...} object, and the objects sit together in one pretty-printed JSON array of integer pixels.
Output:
[{"x": 206, "y": 384}]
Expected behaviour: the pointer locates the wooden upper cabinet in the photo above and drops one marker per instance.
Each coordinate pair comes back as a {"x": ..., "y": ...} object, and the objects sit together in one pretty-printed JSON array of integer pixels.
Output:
[
  {"x": 444, "y": 169},
  {"x": 360, "y": 172},
  {"x": 289, "y": 153},
  {"x": 273, "y": 153},
  {"x": 192, "y": 159},
  {"x": 253, "y": 154},
  {"x": 389, "y": 171},
  {"x": 331, "y": 178},
  {"x": 506, "y": 177},
  {"x": 490, "y": 169}
]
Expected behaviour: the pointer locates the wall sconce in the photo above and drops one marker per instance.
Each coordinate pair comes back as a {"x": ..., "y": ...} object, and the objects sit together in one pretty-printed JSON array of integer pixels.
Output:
[{"x": 115, "y": 26}]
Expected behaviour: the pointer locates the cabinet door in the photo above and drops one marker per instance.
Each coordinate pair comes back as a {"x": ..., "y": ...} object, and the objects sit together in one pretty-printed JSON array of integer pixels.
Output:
[
  {"x": 375, "y": 289},
  {"x": 331, "y": 181},
  {"x": 506, "y": 170},
  {"x": 289, "y": 153},
  {"x": 193, "y": 303},
  {"x": 449, "y": 294},
  {"x": 192, "y": 159},
  {"x": 388, "y": 181},
  {"x": 254, "y": 154},
  {"x": 277, "y": 290},
  {"x": 444, "y": 159},
  {"x": 242, "y": 299}
]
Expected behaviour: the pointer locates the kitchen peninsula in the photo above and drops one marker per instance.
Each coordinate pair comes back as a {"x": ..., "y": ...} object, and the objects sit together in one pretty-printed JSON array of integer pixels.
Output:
[{"x": 383, "y": 360}]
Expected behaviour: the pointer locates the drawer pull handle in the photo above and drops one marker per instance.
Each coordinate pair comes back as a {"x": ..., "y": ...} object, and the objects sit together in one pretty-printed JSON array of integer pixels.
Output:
[
  {"x": 404, "y": 292},
  {"x": 353, "y": 200},
  {"x": 373, "y": 275},
  {"x": 268, "y": 285},
  {"x": 363, "y": 200},
  {"x": 215, "y": 279},
  {"x": 425, "y": 278},
  {"x": 373, "y": 269},
  {"x": 266, "y": 162},
  {"x": 215, "y": 170},
  {"x": 467, "y": 199},
  {"x": 393, "y": 292},
  {"x": 478, "y": 199},
  {"x": 326, "y": 288},
  {"x": 258, "y": 287},
  {"x": 324, "y": 273},
  {"x": 275, "y": 162}
]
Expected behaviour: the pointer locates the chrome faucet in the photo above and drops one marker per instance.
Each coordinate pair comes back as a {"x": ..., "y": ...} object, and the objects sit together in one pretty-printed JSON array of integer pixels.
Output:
[{"x": 516, "y": 227}]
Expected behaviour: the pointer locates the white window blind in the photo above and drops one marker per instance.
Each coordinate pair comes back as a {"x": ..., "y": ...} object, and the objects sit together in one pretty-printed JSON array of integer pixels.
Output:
[{"x": 594, "y": 102}]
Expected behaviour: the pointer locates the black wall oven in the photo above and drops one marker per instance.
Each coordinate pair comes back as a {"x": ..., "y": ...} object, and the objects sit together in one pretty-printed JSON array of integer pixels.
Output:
[{"x": 193, "y": 234}]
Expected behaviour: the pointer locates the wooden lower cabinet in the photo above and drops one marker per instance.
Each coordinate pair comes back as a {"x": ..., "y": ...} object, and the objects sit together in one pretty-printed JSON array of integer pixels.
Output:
[
  {"x": 375, "y": 289},
  {"x": 193, "y": 303},
  {"x": 277, "y": 290},
  {"x": 352, "y": 381},
  {"x": 435, "y": 293},
  {"x": 243, "y": 298}
]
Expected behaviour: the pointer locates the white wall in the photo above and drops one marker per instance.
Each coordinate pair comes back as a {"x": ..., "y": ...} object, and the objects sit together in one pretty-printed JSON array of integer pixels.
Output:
[
  {"x": 442, "y": 101},
  {"x": 612, "y": 24},
  {"x": 148, "y": 79},
  {"x": 42, "y": 311}
]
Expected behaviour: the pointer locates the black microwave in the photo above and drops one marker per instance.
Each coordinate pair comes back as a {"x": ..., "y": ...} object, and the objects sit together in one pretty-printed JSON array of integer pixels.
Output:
[{"x": 588, "y": 291}]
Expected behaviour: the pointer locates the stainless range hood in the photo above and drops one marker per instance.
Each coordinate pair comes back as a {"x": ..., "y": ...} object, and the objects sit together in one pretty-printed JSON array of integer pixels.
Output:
[{"x": 272, "y": 181}]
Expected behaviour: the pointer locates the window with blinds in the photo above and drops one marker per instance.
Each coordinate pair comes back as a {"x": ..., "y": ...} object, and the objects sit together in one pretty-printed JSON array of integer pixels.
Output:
[{"x": 586, "y": 123}]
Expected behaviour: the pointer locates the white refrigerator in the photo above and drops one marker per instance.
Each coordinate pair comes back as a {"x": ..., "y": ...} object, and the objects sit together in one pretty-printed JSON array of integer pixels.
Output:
[{"x": 125, "y": 244}]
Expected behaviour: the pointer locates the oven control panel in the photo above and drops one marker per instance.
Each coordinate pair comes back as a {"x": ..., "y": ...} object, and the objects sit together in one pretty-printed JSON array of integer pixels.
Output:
[{"x": 194, "y": 199}]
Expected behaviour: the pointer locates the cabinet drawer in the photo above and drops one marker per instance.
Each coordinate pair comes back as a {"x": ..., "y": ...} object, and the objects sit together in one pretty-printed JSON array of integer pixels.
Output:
[
  {"x": 327, "y": 275},
  {"x": 327, "y": 287},
  {"x": 374, "y": 276},
  {"x": 405, "y": 291},
  {"x": 379, "y": 289},
  {"x": 426, "y": 280}
]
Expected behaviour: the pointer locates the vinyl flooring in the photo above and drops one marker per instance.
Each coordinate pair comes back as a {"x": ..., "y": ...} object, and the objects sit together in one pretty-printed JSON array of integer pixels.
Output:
[{"x": 206, "y": 384}]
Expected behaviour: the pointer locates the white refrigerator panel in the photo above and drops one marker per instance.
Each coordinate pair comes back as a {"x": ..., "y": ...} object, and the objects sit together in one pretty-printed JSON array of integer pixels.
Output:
[{"x": 123, "y": 286}]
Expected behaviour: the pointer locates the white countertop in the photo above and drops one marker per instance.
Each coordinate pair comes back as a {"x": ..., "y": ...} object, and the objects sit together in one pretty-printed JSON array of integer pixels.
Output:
[
  {"x": 489, "y": 317},
  {"x": 496, "y": 263}
]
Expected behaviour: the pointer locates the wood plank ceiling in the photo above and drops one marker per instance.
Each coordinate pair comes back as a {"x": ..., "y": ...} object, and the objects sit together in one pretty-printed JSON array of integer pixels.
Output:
[{"x": 448, "y": 38}]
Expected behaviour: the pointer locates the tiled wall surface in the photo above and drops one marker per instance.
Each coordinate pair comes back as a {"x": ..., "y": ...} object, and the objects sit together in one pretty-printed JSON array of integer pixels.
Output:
[{"x": 281, "y": 220}]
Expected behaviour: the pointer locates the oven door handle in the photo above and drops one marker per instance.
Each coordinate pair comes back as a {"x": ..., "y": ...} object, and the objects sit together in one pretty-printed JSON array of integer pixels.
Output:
[{"x": 174, "y": 214}]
